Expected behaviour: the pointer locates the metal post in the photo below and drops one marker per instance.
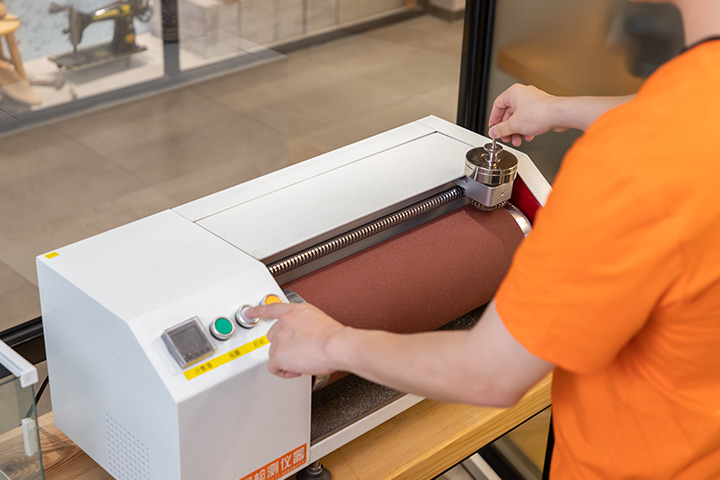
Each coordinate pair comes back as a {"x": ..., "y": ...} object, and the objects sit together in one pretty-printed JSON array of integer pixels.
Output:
[
  {"x": 475, "y": 68},
  {"x": 549, "y": 451},
  {"x": 171, "y": 37}
]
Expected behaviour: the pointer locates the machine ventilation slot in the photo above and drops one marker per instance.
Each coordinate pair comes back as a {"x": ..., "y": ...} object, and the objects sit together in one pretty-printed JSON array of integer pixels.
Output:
[
  {"x": 129, "y": 458},
  {"x": 363, "y": 232}
]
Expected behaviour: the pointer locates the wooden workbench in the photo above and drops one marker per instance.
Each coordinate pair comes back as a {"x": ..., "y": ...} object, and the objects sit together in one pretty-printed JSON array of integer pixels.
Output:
[{"x": 420, "y": 443}]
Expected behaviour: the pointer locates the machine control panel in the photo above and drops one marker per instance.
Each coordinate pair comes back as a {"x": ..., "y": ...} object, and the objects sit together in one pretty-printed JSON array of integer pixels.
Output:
[{"x": 187, "y": 342}]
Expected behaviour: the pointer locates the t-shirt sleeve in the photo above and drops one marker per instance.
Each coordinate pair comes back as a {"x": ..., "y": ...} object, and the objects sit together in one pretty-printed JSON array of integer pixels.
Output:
[{"x": 599, "y": 259}]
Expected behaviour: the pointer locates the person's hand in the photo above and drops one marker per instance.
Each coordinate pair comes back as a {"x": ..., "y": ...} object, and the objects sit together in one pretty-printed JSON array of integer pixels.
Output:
[
  {"x": 298, "y": 341},
  {"x": 522, "y": 111}
]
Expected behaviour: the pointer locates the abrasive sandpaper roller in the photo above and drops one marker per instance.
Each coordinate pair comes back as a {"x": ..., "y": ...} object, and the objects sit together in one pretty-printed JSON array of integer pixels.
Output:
[{"x": 419, "y": 280}]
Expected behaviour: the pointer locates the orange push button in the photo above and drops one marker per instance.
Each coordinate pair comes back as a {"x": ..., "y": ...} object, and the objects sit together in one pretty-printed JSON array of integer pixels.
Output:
[{"x": 270, "y": 299}]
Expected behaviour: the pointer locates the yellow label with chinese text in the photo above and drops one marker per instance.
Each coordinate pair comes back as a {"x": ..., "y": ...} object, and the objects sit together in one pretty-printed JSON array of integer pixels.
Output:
[{"x": 226, "y": 358}]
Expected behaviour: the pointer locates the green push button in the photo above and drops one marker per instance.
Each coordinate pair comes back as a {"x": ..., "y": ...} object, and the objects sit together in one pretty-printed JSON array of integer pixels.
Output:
[
  {"x": 221, "y": 328},
  {"x": 224, "y": 326}
]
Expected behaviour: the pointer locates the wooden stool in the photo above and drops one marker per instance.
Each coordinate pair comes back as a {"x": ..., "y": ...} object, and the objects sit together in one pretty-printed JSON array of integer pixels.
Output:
[
  {"x": 13, "y": 80},
  {"x": 8, "y": 25}
]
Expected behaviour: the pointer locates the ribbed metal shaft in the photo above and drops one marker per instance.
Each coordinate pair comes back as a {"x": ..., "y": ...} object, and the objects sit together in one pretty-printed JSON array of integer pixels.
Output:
[{"x": 361, "y": 233}]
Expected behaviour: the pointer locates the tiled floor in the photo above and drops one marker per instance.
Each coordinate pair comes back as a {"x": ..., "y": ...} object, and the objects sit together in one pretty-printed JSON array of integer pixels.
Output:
[{"x": 77, "y": 177}]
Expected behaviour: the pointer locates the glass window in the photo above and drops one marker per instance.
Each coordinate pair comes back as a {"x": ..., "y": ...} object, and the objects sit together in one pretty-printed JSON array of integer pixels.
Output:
[
  {"x": 192, "y": 100},
  {"x": 594, "y": 47}
]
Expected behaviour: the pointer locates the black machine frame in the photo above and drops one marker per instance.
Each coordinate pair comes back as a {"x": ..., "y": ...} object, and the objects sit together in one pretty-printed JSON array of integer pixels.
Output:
[{"x": 476, "y": 63}]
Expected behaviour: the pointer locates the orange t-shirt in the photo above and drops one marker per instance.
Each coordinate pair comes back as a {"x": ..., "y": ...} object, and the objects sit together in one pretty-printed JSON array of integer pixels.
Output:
[{"x": 618, "y": 284}]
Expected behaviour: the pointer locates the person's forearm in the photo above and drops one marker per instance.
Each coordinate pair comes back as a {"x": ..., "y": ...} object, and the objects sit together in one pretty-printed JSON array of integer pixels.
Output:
[
  {"x": 483, "y": 366},
  {"x": 410, "y": 363},
  {"x": 580, "y": 112}
]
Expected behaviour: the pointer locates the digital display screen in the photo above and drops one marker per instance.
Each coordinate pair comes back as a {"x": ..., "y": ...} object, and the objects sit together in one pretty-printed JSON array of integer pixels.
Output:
[{"x": 188, "y": 342}]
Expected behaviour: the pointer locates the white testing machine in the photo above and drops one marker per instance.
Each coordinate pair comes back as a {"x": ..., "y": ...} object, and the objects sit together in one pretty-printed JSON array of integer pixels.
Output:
[{"x": 155, "y": 370}]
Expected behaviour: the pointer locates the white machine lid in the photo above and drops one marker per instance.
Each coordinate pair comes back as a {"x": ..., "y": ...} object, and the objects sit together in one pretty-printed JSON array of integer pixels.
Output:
[{"x": 351, "y": 186}]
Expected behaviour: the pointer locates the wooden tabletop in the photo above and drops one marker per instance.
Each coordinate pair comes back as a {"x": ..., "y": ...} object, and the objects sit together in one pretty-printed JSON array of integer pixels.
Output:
[
  {"x": 427, "y": 439},
  {"x": 420, "y": 443}
]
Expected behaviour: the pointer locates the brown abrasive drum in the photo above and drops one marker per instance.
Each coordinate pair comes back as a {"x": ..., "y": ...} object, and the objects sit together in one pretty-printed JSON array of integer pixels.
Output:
[{"x": 419, "y": 280}]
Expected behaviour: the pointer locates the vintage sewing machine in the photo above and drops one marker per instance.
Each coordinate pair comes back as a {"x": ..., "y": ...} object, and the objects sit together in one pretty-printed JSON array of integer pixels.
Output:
[
  {"x": 156, "y": 370},
  {"x": 122, "y": 13}
]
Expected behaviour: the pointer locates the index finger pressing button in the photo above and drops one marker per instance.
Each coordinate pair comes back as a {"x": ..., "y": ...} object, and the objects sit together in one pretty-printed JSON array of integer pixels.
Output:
[{"x": 243, "y": 319}]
